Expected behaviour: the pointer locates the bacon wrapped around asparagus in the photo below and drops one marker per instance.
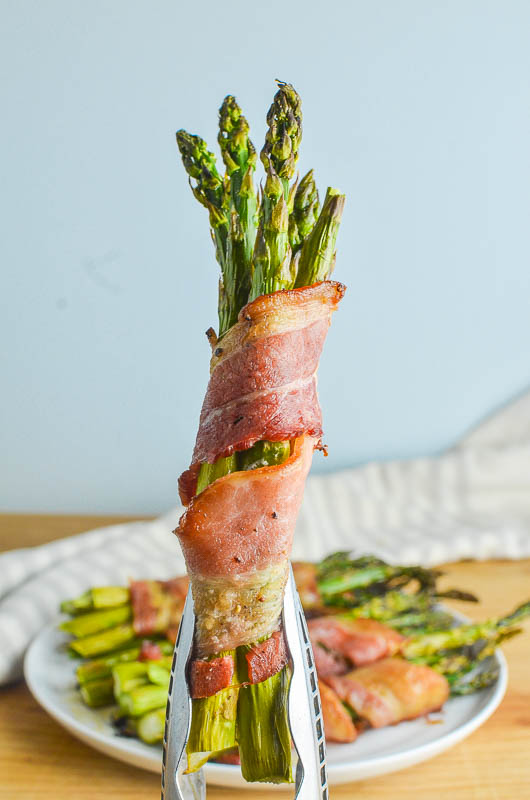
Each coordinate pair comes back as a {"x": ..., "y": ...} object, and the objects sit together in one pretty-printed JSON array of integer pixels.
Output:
[{"x": 259, "y": 425}]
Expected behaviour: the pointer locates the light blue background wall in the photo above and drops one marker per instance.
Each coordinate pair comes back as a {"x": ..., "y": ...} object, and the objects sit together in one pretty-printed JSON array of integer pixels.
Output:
[{"x": 419, "y": 111}]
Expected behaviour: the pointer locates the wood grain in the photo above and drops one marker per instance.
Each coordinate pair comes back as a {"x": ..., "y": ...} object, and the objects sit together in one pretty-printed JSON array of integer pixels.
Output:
[{"x": 38, "y": 759}]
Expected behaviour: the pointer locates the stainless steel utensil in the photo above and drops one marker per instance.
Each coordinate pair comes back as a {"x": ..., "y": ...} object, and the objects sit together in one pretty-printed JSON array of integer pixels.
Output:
[{"x": 305, "y": 715}]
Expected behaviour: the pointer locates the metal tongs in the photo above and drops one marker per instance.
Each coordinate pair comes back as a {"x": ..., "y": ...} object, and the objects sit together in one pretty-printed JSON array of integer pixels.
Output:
[{"x": 305, "y": 714}]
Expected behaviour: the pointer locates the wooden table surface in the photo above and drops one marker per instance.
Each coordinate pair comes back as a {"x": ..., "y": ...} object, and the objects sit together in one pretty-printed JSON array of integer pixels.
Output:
[{"x": 39, "y": 759}]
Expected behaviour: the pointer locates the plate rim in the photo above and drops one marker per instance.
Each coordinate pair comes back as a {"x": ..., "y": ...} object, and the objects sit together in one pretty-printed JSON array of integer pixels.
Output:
[{"x": 225, "y": 774}]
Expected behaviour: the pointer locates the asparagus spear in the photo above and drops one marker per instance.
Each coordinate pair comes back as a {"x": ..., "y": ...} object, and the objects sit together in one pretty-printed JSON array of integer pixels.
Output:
[
  {"x": 306, "y": 207},
  {"x": 239, "y": 156},
  {"x": 98, "y": 693},
  {"x": 284, "y": 134},
  {"x": 128, "y": 675},
  {"x": 141, "y": 699},
  {"x": 159, "y": 672},
  {"x": 272, "y": 253},
  {"x": 102, "y": 667},
  {"x": 208, "y": 186},
  {"x": 150, "y": 727},
  {"x": 463, "y": 635},
  {"x": 104, "y": 642},
  {"x": 210, "y": 190},
  {"x": 262, "y": 728},
  {"x": 339, "y": 573},
  {"x": 425, "y": 621},
  {"x": 208, "y": 473},
  {"x": 463, "y": 685},
  {"x": 391, "y": 605},
  {"x": 213, "y": 726},
  {"x": 264, "y": 454},
  {"x": 96, "y": 621},
  {"x": 97, "y": 598},
  {"x": 317, "y": 257}
]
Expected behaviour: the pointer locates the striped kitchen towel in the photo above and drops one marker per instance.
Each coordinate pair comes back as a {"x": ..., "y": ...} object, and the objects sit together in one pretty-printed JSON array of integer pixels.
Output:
[{"x": 473, "y": 501}]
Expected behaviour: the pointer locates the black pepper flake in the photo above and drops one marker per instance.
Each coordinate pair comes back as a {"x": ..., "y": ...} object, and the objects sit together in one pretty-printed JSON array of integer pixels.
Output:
[
  {"x": 237, "y": 559},
  {"x": 274, "y": 515},
  {"x": 218, "y": 351},
  {"x": 237, "y": 420},
  {"x": 248, "y": 318}
]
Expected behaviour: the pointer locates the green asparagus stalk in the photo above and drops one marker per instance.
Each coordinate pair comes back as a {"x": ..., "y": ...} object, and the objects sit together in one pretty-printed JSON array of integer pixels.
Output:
[
  {"x": 102, "y": 667},
  {"x": 282, "y": 140},
  {"x": 104, "y": 642},
  {"x": 141, "y": 699},
  {"x": 262, "y": 729},
  {"x": 98, "y": 693},
  {"x": 463, "y": 635},
  {"x": 272, "y": 268},
  {"x": 236, "y": 275},
  {"x": 97, "y": 598},
  {"x": 317, "y": 256},
  {"x": 391, "y": 606},
  {"x": 96, "y": 621},
  {"x": 264, "y": 454},
  {"x": 338, "y": 573},
  {"x": 306, "y": 207},
  {"x": 159, "y": 672},
  {"x": 208, "y": 473},
  {"x": 272, "y": 252},
  {"x": 239, "y": 156},
  {"x": 210, "y": 190},
  {"x": 128, "y": 675},
  {"x": 461, "y": 685},
  {"x": 206, "y": 184},
  {"x": 213, "y": 726},
  {"x": 413, "y": 623},
  {"x": 150, "y": 727}
]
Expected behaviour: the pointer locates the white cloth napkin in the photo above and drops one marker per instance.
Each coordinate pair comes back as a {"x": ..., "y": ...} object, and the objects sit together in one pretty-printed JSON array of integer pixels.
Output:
[{"x": 473, "y": 501}]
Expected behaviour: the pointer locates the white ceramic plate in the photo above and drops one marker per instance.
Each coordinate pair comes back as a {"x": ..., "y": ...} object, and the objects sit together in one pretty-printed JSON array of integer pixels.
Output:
[{"x": 50, "y": 676}]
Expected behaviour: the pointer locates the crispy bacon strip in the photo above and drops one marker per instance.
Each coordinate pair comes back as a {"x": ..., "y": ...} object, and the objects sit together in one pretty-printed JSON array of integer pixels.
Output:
[
  {"x": 338, "y": 724},
  {"x": 361, "y": 641},
  {"x": 149, "y": 651},
  {"x": 263, "y": 376},
  {"x": 157, "y": 605},
  {"x": 328, "y": 662},
  {"x": 267, "y": 658},
  {"x": 236, "y": 537},
  {"x": 391, "y": 690},
  {"x": 209, "y": 677}
]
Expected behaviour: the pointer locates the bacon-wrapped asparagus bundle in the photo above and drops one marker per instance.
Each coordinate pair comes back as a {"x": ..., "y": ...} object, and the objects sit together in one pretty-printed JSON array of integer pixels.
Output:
[{"x": 259, "y": 425}]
